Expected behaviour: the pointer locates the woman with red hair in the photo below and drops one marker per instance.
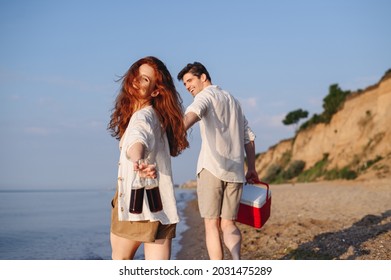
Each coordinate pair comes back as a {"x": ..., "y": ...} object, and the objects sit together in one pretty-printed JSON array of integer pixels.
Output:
[{"x": 148, "y": 120}]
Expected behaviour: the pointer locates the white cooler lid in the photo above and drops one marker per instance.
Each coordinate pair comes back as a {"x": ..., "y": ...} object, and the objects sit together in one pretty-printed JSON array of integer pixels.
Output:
[{"x": 253, "y": 195}]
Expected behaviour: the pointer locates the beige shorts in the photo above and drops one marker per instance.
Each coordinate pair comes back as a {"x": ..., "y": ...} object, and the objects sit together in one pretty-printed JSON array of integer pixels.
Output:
[
  {"x": 217, "y": 198},
  {"x": 143, "y": 231}
]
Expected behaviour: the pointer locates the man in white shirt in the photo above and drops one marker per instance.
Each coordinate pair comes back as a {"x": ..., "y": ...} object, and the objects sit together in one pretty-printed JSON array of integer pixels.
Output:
[{"x": 226, "y": 138}]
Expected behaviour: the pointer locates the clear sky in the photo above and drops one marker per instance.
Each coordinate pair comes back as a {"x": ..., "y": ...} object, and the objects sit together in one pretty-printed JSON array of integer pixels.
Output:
[{"x": 59, "y": 61}]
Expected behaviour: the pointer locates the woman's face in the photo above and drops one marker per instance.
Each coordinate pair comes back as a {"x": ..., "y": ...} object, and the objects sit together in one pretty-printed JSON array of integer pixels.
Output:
[{"x": 145, "y": 82}]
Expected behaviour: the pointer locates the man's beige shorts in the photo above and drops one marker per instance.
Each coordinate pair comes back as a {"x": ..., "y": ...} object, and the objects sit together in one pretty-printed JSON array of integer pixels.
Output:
[{"x": 216, "y": 198}]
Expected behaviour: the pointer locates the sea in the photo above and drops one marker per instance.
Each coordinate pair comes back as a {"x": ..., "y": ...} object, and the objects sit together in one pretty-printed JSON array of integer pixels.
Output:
[{"x": 65, "y": 224}]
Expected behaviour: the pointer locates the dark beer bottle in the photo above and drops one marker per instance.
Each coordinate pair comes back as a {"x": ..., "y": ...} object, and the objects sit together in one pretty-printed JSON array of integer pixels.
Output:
[
  {"x": 153, "y": 194},
  {"x": 137, "y": 194}
]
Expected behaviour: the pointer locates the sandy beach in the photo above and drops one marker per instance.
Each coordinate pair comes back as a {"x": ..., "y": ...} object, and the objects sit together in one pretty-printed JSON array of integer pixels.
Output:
[{"x": 323, "y": 220}]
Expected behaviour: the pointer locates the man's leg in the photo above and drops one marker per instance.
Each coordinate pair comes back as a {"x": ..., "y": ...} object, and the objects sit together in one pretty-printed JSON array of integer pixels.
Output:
[
  {"x": 231, "y": 234},
  {"x": 213, "y": 241},
  {"x": 209, "y": 193},
  {"x": 232, "y": 237}
]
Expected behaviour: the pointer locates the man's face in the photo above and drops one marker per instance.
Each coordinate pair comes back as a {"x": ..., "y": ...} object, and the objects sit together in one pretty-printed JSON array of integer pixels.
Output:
[{"x": 193, "y": 84}]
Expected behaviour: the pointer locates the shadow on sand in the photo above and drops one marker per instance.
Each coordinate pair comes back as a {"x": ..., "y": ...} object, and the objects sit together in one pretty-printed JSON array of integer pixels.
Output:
[{"x": 343, "y": 244}]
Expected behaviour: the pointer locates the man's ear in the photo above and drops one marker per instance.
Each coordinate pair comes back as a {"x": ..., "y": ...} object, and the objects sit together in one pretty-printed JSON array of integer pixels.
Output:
[{"x": 203, "y": 77}]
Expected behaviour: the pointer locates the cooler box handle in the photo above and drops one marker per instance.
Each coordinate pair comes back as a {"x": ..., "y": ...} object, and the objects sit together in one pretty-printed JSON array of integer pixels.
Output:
[{"x": 262, "y": 183}]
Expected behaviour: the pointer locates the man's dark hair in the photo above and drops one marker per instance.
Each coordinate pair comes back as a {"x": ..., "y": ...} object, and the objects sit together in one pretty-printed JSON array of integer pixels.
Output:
[{"x": 196, "y": 68}]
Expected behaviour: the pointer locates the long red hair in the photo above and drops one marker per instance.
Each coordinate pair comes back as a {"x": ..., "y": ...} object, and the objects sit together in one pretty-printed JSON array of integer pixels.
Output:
[{"x": 167, "y": 105}]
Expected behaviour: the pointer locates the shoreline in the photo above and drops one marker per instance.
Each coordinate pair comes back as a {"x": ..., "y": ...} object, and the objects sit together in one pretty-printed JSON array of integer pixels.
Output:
[
  {"x": 192, "y": 241},
  {"x": 322, "y": 220}
]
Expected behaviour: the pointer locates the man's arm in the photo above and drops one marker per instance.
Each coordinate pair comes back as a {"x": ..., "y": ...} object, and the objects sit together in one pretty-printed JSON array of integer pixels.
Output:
[
  {"x": 251, "y": 175},
  {"x": 190, "y": 119}
]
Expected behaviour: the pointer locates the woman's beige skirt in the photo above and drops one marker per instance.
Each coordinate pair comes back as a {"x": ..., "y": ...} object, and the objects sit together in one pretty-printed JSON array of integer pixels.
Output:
[{"x": 143, "y": 231}]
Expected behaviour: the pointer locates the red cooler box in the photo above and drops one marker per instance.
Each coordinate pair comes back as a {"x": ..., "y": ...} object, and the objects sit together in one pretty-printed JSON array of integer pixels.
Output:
[{"x": 255, "y": 204}]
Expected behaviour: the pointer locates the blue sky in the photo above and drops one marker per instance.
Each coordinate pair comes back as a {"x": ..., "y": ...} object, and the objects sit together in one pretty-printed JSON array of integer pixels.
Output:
[{"x": 59, "y": 61}]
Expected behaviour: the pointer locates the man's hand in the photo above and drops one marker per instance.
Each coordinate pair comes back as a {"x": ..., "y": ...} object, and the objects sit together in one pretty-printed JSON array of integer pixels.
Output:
[{"x": 252, "y": 177}]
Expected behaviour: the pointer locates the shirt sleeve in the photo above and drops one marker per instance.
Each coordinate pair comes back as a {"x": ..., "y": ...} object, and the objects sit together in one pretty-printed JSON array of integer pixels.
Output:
[
  {"x": 200, "y": 105},
  {"x": 249, "y": 135},
  {"x": 140, "y": 131}
]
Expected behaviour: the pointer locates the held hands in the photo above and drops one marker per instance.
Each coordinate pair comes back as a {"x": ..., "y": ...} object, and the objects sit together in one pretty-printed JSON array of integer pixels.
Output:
[{"x": 145, "y": 169}]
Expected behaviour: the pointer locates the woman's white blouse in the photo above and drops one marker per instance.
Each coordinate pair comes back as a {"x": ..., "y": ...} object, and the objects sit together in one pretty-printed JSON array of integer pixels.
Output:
[{"x": 144, "y": 127}]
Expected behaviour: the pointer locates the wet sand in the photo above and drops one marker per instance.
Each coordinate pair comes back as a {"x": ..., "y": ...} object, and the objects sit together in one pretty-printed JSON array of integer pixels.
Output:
[{"x": 324, "y": 220}]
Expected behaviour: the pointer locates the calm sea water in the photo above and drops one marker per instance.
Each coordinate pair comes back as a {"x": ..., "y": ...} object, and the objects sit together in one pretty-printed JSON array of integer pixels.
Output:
[{"x": 64, "y": 224}]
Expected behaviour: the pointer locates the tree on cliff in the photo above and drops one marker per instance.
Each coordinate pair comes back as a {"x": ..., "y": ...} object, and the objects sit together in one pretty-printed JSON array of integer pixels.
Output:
[
  {"x": 333, "y": 101},
  {"x": 294, "y": 117}
]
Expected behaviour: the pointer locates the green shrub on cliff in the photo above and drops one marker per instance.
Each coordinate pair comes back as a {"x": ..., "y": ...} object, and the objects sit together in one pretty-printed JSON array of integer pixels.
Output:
[
  {"x": 344, "y": 173},
  {"x": 314, "y": 172},
  {"x": 331, "y": 104},
  {"x": 294, "y": 169}
]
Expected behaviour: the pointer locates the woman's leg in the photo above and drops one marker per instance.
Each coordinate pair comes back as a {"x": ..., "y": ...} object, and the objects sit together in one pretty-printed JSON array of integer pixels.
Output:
[
  {"x": 158, "y": 250},
  {"x": 123, "y": 248}
]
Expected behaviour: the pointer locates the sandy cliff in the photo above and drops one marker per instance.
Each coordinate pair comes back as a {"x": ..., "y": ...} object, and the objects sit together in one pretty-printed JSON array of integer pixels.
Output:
[{"x": 358, "y": 134}]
